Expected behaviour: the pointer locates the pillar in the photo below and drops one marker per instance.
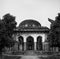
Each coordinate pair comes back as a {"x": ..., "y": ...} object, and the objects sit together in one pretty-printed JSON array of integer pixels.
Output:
[
  {"x": 24, "y": 46},
  {"x": 34, "y": 45},
  {"x": 24, "y": 43},
  {"x": 35, "y": 40}
]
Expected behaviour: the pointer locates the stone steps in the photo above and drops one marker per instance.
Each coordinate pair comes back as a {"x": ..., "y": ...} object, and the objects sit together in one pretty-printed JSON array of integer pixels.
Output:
[{"x": 30, "y": 53}]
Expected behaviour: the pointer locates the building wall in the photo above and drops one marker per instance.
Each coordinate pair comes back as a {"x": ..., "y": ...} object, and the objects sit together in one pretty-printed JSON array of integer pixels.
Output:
[{"x": 34, "y": 35}]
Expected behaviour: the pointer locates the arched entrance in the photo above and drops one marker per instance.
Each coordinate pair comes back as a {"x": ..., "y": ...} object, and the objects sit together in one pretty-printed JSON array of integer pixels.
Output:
[
  {"x": 39, "y": 43},
  {"x": 21, "y": 43},
  {"x": 30, "y": 43}
]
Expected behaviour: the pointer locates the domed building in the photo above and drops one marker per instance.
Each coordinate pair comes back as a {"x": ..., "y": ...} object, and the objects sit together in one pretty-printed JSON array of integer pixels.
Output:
[{"x": 30, "y": 35}]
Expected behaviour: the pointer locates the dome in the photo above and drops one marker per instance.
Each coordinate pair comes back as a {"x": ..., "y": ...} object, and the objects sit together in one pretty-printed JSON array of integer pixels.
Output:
[{"x": 29, "y": 24}]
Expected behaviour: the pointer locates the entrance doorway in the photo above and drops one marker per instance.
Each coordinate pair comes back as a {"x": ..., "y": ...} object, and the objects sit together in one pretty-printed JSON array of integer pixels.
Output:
[
  {"x": 39, "y": 43},
  {"x": 30, "y": 43}
]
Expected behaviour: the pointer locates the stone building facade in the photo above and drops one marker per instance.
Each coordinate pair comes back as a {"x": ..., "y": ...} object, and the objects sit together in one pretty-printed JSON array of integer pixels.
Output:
[{"x": 30, "y": 35}]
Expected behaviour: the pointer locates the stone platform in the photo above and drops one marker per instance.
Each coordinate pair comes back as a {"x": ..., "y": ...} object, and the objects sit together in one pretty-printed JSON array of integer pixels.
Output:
[{"x": 30, "y": 54}]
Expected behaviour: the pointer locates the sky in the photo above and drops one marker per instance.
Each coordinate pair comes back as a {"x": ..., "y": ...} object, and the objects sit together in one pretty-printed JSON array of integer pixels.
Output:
[{"x": 39, "y": 10}]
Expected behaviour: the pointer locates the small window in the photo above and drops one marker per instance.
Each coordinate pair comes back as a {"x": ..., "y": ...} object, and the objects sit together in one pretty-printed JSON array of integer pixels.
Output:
[
  {"x": 26, "y": 25},
  {"x": 33, "y": 25}
]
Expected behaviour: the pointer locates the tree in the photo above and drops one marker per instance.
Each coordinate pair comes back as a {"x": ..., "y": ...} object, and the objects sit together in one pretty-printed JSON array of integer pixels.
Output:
[
  {"x": 7, "y": 26},
  {"x": 54, "y": 34},
  {"x": 10, "y": 23}
]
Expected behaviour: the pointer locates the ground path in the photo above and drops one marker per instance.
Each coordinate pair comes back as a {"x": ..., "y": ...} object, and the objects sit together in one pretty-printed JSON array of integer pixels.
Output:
[{"x": 29, "y": 57}]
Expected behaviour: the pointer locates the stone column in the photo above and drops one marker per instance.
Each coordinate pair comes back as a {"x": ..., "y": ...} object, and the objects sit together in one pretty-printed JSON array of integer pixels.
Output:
[
  {"x": 35, "y": 40},
  {"x": 24, "y": 46},
  {"x": 34, "y": 45},
  {"x": 24, "y": 43}
]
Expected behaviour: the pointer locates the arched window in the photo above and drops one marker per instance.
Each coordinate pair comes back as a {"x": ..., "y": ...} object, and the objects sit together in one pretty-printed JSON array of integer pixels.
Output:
[
  {"x": 20, "y": 38},
  {"x": 21, "y": 42},
  {"x": 39, "y": 43},
  {"x": 30, "y": 43}
]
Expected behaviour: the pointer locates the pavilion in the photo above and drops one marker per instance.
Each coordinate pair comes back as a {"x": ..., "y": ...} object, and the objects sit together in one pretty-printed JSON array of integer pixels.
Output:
[{"x": 30, "y": 35}]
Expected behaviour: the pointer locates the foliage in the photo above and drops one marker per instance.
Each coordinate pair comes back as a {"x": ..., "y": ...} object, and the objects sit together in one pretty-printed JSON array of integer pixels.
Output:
[
  {"x": 7, "y": 26},
  {"x": 54, "y": 33}
]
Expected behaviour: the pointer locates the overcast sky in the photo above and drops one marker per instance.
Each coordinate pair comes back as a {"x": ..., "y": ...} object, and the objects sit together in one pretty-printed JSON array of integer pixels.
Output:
[{"x": 39, "y": 10}]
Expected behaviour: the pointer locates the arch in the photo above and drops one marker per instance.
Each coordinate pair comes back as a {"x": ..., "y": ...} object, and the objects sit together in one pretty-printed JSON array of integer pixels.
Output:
[
  {"x": 30, "y": 43},
  {"x": 21, "y": 43},
  {"x": 39, "y": 43},
  {"x": 21, "y": 39}
]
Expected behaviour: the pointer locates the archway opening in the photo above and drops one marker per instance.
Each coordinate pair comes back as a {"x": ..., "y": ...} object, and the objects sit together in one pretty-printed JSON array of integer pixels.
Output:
[
  {"x": 39, "y": 43},
  {"x": 21, "y": 43},
  {"x": 30, "y": 43}
]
